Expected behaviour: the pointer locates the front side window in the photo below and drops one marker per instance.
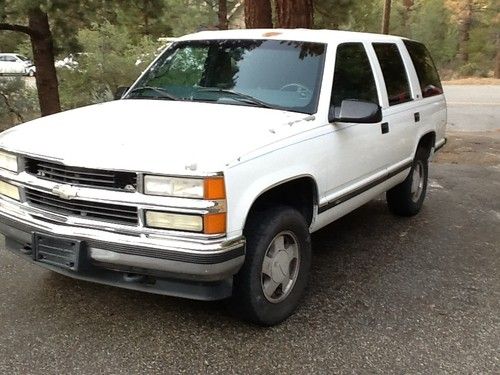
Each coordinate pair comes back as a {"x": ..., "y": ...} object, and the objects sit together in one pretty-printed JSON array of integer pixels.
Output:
[
  {"x": 268, "y": 73},
  {"x": 426, "y": 70},
  {"x": 394, "y": 72},
  {"x": 353, "y": 76}
]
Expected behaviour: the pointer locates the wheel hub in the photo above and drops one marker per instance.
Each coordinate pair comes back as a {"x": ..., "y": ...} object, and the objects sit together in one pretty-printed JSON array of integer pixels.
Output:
[
  {"x": 417, "y": 181},
  {"x": 280, "y": 267}
]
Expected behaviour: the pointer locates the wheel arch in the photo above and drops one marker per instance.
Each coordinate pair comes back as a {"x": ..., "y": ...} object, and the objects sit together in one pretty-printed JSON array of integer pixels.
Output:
[
  {"x": 427, "y": 141},
  {"x": 285, "y": 192}
]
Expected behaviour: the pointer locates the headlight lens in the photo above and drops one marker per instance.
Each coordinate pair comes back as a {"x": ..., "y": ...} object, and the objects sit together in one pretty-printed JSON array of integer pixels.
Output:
[
  {"x": 207, "y": 188},
  {"x": 8, "y": 161},
  {"x": 174, "y": 186},
  {"x": 9, "y": 190},
  {"x": 167, "y": 220}
]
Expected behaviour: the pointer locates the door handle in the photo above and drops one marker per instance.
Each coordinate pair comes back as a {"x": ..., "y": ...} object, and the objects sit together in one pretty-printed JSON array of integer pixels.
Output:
[
  {"x": 417, "y": 116},
  {"x": 385, "y": 127}
]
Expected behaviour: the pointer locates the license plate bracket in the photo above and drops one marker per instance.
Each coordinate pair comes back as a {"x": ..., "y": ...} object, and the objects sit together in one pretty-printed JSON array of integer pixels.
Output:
[{"x": 57, "y": 251}]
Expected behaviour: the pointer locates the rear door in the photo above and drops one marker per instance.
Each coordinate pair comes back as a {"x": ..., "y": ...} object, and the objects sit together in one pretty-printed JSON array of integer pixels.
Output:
[{"x": 432, "y": 104}]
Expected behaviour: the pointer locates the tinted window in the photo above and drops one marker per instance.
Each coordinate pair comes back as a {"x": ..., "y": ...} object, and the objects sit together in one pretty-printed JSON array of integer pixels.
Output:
[
  {"x": 353, "y": 76},
  {"x": 393, "y": 69},
  {"x": 282, "y": 74},
  {"x": 426, "y": 70}
]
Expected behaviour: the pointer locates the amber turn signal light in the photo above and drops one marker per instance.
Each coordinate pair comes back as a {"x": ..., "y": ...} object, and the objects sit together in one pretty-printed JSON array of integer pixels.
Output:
[
  {"x": 214, "y": 188},
  {"x": 214, "y": 223}
]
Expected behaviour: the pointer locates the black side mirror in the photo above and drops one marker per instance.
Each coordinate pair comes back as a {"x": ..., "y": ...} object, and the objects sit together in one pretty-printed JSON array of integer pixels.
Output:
[
  {"x": 120, "y": 91},
  {"x": 357, "y": 111}
]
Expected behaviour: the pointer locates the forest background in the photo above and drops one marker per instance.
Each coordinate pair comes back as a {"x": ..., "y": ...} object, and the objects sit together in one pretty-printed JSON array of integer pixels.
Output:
[{"x": 85, "y": 50}]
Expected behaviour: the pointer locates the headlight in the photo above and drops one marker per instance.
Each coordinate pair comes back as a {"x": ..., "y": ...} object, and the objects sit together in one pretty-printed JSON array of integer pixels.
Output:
[
  {"x": 9, "y": 190},
  {"x": 173, "y": 186},
  {"x": 8, "y": 161},
  {"x": 166, "y": 220},
  {"x": 208, "y": 224},
  {"x": 208, "y": 188}
]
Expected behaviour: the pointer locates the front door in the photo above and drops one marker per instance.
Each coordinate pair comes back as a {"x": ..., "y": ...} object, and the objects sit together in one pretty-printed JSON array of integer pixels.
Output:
[{"x": 358, "y": 151}]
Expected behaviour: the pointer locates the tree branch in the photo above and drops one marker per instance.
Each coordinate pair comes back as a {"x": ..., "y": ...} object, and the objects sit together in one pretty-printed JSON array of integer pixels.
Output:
[
  {"x": 18, "y": 28},
  {"x": 10, "y": 108}
]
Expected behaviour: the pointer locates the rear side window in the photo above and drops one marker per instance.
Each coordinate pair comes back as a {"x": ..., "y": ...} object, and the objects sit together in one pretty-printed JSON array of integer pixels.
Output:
[
  {"x": 425, "y": 68},
  {"x": 353, "y": 76},
  {"x": 393, "y": 69}
]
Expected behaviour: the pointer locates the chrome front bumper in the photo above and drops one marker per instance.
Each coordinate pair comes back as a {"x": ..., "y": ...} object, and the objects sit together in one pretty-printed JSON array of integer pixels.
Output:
[{"x": 167, "y": 259}]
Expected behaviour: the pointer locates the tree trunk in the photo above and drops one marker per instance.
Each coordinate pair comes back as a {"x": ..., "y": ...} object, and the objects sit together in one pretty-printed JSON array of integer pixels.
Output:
[
  {"x": 43, "y": 56},
  {"x": 258, "y": 14},
  {"x": 497, "y": 59},
  {"x": 406, "y": 16},
  {"x": 464, "y": 25},
  {"x": 222, "y": 13},
  {"x": 386, "y": 17},
  {"x": 295, "y": 13}
]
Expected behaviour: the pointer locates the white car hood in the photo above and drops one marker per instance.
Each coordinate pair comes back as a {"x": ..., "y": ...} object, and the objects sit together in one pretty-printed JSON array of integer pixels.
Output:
[{"x": 152, "y": 135}]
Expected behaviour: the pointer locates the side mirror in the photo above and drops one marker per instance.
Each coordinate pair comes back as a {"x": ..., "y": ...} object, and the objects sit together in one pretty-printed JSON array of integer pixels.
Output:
[
  {"x": 357, "y": 111},
  {"x": 120, "y": 91}
]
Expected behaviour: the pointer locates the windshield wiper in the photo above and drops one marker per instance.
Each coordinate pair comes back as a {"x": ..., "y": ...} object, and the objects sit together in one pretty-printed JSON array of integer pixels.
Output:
[
  {"x": 163, "y": 94},
  {"x": 239, "y": 96}
]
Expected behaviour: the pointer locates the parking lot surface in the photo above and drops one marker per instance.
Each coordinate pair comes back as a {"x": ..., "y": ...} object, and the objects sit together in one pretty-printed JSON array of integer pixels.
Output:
[{"x": 386, "y": 295}]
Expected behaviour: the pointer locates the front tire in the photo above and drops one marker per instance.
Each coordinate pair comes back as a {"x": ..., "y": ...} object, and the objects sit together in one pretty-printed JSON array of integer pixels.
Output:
[
  {"x": 407, "y": 198},
  {"x": 271, "y": 283}
]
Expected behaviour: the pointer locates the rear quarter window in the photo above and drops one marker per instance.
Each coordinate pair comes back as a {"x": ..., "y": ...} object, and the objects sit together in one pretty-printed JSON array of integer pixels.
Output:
[
  {"x": 394, "y": 72},
  {"x": 425, "y": 68}
]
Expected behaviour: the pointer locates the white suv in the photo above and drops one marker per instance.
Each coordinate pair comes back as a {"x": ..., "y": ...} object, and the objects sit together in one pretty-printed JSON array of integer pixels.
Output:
[
  {"x": 13, "y": 63},
  {"x": 206, "y": 179}
]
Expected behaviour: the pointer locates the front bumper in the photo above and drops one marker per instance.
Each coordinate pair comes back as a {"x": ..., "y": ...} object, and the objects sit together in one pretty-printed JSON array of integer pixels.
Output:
[{"x": 192, "y": 268}]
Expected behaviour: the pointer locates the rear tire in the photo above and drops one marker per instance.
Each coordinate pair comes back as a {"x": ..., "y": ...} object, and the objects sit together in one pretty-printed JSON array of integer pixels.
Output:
[
  {"x": 273, "y": 279},
  {"x": 407, "y": 198}
]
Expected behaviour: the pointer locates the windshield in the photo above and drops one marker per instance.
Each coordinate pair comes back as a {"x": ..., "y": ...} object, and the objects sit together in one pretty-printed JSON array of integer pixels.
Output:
[
  {"x": 265, "y": 73},
  {"x": 22, "y": 57}
]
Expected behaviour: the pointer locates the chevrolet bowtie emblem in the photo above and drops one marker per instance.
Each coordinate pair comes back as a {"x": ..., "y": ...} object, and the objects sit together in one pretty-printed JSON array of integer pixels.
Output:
[{"x": 65, "y": 191}]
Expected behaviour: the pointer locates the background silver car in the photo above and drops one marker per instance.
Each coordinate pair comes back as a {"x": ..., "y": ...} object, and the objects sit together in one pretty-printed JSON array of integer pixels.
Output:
[{"x": 13, "y": 63}]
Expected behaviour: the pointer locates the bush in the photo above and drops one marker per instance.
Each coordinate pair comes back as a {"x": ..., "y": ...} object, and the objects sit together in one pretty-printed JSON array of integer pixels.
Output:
[
  {"x": 18, "y": 102},
  {"x": 472, "y": 69},
  {"x": 109, "y": 59}
]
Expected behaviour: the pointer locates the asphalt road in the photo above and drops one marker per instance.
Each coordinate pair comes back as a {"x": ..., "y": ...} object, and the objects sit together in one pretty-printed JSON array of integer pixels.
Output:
[
  {"x": 387, "y": 295},
  {"x": 473, "y": 107}
]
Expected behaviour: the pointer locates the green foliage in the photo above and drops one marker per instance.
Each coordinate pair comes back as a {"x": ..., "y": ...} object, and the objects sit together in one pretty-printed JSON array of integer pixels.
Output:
[
  {"x": 333, "y": 14},
  {"x": 430, "y": 24},
  {"x": 366, "y": 16},
  {"x": 18, "y": 103},
  {"x": 10, "y": 41},
  {"x": 109, "y": 61}
]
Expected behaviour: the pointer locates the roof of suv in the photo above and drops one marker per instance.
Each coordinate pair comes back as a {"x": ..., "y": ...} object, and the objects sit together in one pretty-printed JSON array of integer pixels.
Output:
[{"x": 306, "y": 35}]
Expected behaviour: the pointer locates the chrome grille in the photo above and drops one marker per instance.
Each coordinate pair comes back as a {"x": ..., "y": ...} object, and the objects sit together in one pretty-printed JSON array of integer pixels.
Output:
[
  {"x": 82, "y": 176},
  {"x": 78, "y": 207}
]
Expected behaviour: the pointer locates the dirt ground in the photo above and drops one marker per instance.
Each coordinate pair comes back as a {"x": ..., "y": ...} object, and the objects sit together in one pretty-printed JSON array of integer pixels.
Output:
[
  {"x": 473, "y": 81},
  {"x": 473, "y": 148}
]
